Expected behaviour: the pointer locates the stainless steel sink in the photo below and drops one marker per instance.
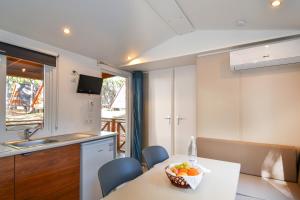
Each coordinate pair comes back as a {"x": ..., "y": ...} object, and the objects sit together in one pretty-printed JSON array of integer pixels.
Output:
[
  {"x": 23, "y": 144},
  {"x": 29, "y": 143}
]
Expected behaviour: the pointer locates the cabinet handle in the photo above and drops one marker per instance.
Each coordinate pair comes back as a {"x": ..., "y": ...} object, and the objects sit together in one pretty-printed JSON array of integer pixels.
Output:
[
  {"x": 168, "y": 118},
  {"x": 100, "y": 150},
  {"x": 26, "y": 154},
  {"x": 179, "y": 119}
]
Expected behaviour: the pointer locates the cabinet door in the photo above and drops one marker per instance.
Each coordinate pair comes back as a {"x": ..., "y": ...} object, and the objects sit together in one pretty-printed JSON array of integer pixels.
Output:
[
  {"x": 7, "y": 178},
  {"x": 184, "y": 107},
  {"x": 160, "y": 108},
  {"x": 48, "y": 174}
]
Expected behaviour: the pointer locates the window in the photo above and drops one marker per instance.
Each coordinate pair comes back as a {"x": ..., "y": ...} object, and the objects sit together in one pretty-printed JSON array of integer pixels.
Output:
[
  {"x": 28, "y": 92},
  {"x": 114, "y": 109},
  {"x": 24, "y": 94}
]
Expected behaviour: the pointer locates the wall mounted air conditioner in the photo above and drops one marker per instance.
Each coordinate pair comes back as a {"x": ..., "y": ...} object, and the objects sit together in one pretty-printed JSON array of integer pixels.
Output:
[{"x": 281, "y": 53}]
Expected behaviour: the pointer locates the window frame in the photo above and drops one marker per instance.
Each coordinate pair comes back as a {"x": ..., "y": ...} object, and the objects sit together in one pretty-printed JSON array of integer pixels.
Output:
[
  {"x": 129, "y": 113},
  {"x": 49, "y": 99}
]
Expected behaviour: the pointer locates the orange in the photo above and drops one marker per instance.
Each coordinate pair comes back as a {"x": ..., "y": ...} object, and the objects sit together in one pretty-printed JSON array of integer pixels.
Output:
[
  {"x": 182, "y": 174},
  {"x": 174, "y": 170},
  {"x": 192, "y": 172},
  {"x": 182, "y": 171}
]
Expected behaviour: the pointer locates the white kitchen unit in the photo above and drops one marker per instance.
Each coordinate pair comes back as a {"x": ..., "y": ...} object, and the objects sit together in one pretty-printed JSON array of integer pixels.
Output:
[
  {"x": 172, "y": 108},
  {"x": 93, "y": 155}
]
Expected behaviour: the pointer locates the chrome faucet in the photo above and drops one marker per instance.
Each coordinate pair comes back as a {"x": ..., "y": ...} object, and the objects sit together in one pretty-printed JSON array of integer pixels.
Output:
[{"x": 28, "y": 133}]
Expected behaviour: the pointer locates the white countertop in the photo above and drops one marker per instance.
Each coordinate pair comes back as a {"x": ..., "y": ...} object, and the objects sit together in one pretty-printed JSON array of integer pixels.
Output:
[
  {"x": 220, "y": 184},
  {"x": 63, "y": 140}
]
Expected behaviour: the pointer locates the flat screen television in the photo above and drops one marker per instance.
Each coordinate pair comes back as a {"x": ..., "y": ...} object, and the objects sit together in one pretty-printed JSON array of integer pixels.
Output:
[{"x": 89, "y": 84}]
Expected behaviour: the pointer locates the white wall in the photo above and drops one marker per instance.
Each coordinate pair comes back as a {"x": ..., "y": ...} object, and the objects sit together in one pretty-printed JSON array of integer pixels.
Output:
[
  {"x": 259, "y": 105},
  {"x": 218, "y": 98},
  {"x": 201, "y": 41},
  {"x": 270, "y": 105},
  {"x": 72, "y": 107}
]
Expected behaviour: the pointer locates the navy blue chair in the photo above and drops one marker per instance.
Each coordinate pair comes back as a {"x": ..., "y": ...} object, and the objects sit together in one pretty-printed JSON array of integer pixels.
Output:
[
  {"x": 117, "y": 172},
  {"x": 154, "y": 155}
]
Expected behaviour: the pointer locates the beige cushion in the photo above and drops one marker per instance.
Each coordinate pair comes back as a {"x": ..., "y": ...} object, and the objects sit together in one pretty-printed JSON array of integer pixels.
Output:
[
  {"x": 270, "y": 161},
  {"x": 267, "y": 189}
]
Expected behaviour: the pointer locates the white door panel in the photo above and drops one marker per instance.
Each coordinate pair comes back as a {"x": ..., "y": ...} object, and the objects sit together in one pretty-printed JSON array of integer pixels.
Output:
[
  {"x": 184, "y": 107},
  {"x": 160, "y": 108},
  {"x": 93, "y": 155}
]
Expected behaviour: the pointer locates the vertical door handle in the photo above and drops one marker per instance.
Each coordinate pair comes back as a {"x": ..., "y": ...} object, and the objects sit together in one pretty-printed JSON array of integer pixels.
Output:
[
  {"x": 178, "y": 118},
  {"x": 168, "y": 118}
]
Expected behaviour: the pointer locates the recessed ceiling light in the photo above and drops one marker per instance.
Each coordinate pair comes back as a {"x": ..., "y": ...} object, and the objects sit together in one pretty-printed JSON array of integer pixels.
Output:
[
  {"x": 129, "y": 58},
  {"x": 67, "y": 31},
  {"x": 23, "y": 70},
  {"x": 276, "y": 3},
  {"x": 267, "y": 46}
]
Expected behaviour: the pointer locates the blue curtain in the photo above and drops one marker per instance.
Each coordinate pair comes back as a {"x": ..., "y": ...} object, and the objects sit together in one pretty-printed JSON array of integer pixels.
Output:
[{"x": 137, "y": 90}]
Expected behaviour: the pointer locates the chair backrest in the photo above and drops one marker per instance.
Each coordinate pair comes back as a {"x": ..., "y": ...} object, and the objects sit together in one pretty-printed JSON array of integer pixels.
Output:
[
  {"x": 117, "y": 172},
  {"x": 154, "y": 155}
]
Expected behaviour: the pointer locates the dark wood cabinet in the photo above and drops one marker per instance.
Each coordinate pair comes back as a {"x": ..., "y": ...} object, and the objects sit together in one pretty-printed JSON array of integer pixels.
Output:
[
  {"x": 7, "y": 178},
  {"x": 49, "y": 174}
]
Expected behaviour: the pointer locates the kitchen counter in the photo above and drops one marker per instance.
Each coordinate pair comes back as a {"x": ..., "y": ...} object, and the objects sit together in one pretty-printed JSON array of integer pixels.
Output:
[{"x": 62, "y": 140}]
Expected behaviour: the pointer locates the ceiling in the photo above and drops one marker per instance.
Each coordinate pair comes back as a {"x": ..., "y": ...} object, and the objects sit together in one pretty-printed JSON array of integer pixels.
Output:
[
  {"x": 258, "y": 14},
  {"x": 112, "y": 30},
  {"x": 107, "y": 30}
]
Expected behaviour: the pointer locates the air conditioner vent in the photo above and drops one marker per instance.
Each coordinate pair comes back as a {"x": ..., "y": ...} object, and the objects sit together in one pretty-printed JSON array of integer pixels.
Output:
[{"x": 281, "y": 53}]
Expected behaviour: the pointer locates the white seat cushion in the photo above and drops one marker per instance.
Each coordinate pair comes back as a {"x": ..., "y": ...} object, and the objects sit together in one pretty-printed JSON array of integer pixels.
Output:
[{"x": 267, "y": 189}]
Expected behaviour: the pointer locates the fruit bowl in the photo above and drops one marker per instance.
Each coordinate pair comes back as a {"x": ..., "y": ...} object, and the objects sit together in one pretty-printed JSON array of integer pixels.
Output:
[{"x": 181, "y": 173}]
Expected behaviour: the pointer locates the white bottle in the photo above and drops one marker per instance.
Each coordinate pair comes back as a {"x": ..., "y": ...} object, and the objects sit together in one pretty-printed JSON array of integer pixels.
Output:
[{"x": 192, "y": 151}]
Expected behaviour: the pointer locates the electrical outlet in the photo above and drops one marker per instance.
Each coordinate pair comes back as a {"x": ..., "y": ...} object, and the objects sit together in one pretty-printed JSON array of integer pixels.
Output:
[{"x": 90, "y": 105}]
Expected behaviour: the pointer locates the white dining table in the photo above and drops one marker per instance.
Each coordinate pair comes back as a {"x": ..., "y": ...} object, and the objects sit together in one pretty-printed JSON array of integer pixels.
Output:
[{"x": 220, "y": 184}]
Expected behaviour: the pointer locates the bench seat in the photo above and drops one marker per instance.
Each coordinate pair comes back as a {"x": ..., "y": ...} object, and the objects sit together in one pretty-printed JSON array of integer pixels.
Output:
[
  {"x": 268, "y": 172},
  {"x": 267, "y": 189}
]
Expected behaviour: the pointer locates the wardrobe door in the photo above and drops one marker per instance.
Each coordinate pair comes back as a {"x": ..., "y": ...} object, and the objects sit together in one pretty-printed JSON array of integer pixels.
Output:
[
  {"x": 184, "y": 107},
  {"x": 160, "y": 118}
]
